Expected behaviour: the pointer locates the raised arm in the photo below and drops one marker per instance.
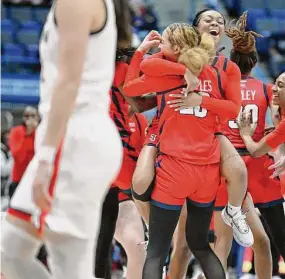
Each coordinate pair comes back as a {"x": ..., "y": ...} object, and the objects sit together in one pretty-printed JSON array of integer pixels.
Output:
[
  {"x": 136, "y": 85},
  {"x": 269, "y": 142},
  {"x": 162, "y": 67}
]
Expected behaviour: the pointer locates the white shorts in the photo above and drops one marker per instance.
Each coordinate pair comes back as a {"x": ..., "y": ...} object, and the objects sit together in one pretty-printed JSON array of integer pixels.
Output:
[{"x": 90, "y": 160}]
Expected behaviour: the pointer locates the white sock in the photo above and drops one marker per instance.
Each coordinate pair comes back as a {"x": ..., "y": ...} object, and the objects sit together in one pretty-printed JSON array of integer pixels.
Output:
[{"x": 232, "y": 210}]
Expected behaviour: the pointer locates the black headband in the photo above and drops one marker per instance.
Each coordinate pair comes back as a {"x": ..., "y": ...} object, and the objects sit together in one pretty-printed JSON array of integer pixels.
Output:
[{"x": 197, "y": 17}]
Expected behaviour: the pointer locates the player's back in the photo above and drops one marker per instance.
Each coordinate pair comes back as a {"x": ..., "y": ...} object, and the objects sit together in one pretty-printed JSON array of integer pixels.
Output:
[
  {"x": 256, "y": 97},
  {"x": 98, "y": 68},
  {"x": 189, "y": 134}
]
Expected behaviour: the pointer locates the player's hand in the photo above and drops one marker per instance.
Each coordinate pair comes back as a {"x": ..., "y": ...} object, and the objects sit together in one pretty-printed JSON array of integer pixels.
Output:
[
  {"x": 31, "y": 125},
  {"x": 279, "y": 167},
  {"x": 40, "y": 193},
  {"x": 191, "y": 80},
  {"x": 246, "y": 128},
  {"x": 153, "y": 39},
  {"x": 183, "y": 101}
]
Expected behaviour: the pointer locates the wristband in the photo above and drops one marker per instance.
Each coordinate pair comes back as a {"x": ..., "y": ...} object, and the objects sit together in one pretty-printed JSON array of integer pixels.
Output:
[{"x": 46, "y": 154}]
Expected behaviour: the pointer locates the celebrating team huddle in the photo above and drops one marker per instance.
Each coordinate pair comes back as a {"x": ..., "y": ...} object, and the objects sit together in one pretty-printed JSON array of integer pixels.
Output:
[{"x": 101, "y": 172}]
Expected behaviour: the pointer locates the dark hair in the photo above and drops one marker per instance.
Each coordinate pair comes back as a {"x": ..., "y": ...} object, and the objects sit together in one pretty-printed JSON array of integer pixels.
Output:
[
  {"x": 199, "y": 14},
  {"x": 123, "y": 22},
  {"x": 244, "y": 52},
  {"x": 125, "y": 54},
  {"x": 3, "y": 134}
]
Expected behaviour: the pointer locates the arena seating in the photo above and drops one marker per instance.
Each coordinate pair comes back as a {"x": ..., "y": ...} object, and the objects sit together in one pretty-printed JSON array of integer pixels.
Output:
[{"x": 21, "y": 29}]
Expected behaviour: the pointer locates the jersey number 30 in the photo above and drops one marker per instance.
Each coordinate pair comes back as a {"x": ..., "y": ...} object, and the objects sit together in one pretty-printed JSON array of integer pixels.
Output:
[{"x": 250, "y": 108}]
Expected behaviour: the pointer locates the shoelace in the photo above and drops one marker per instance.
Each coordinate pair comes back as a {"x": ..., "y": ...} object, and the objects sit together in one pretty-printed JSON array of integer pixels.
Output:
[
  {"x": 240, "y": 222},
  {"x": 145, "y": 243}
]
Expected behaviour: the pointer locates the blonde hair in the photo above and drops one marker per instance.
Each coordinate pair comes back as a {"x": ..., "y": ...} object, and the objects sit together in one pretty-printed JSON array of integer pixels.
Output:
[{"x": 195, "y": 50}]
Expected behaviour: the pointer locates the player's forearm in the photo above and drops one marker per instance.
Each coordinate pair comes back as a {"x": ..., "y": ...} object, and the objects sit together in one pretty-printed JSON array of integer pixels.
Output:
[
  {"x": 256, "y": 149},
  {"x": 161, "y": 67},
  {"x": 62, "y": 104},
  {"x": 225, "y": 109}
]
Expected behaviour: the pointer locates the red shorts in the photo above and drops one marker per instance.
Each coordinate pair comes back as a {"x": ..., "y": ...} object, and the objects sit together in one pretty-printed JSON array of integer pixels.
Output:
[
  {"x": 282, "y": 182},
  {"x": 125, "y": 195},
  {"x": 125, "y": 176},
  {"x": 177, "y": 180},
  {"x": 265, "y": 191},
  {"x": 152, "y": 133}
]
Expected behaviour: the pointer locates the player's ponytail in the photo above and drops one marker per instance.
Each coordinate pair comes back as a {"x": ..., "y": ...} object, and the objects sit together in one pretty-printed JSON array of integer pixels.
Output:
[
  {"x": 196, "y": 57},
  {"x": 123, "y": 21},
  {"x": 244, "y": 52}
]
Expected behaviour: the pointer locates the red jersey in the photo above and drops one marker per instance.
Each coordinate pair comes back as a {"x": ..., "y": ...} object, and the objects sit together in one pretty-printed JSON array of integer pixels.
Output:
[
  {"x": 22, "y": 150},
  {"x": 229, "y": 108},
  {"x": 256, "y": 97},
  {"x": 138, "y": 125},
  {"x": 277, "y": 137},
  {"x": 119, "y": 107},
  {"x": 119, "y": 110},
  {"x": 188, "y": 134}
]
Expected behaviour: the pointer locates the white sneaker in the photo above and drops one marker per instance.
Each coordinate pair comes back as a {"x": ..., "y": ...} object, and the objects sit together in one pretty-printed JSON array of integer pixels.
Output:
[
  {"x": 197, "y": 272},
  {"x": 241, "y": 231},
  {"x": 276, "y": 277},
  {"x": 247, "y": 276}
]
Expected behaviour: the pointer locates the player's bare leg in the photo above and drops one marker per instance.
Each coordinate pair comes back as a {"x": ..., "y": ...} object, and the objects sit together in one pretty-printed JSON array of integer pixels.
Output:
[
  {"x": 181, "y": 254},
  {"x": 234, "y": 170},
  {"x": 130, "y": 233},
  {"x": 261, "y": 247},
  {"x": 143, "y": 177}
]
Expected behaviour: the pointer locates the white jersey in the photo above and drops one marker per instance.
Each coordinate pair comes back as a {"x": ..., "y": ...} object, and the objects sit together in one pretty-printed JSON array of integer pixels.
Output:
[
  {"x": 98, "y": 69},
  {"x": 91, "y": 149}
]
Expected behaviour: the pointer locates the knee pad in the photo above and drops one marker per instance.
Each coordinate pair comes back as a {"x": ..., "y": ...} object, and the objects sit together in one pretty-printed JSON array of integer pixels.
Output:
[
  {"x": 146, "y": 196},
  {"x": 17, "y": 243}
]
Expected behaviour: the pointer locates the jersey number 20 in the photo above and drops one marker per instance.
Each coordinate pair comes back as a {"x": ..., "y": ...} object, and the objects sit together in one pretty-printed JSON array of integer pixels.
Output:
[
  {"x": 197, "y": 111},
  {"x": 250, "y": 108}
]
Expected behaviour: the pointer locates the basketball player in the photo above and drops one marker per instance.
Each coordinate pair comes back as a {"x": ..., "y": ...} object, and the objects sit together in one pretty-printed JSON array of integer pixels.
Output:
[
  {"x": 273, "y": 215},
  {"x": 275, "y": 138},
  {"x": 59, "y": 198},
  {"x": 212, "y": 22},
  {"x": 265, "y": 192},
  {"x": 119, "y": 211},
  {"x": 174, "y": 181}
]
